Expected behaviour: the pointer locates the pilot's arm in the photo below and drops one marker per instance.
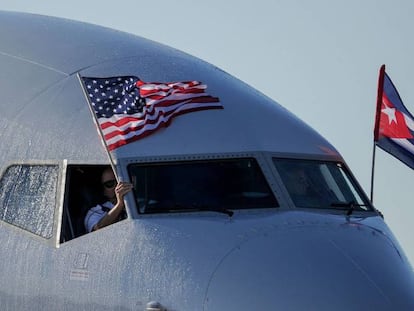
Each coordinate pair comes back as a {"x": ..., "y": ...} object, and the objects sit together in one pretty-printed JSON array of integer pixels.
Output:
[{"x": 113, "y": 214}]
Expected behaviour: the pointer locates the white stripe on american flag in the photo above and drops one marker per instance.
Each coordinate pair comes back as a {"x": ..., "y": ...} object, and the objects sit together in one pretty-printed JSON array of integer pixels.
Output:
[
  {"x": 140, "y": 119},
  {"x": 129, "y": 108},
  {"x": 122, "y": 138},
  {"x": 151, "y": 111}
]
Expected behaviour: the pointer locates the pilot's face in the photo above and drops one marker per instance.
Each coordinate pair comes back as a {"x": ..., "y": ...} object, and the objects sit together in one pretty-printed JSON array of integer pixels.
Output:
[
  {"x": 108, "y": 181},
  {"x": 299, "y": 183}
]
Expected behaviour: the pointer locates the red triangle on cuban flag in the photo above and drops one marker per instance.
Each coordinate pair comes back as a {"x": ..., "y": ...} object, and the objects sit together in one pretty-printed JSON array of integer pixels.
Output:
[
  {"x": 392, "y": 121},
  {"x": 394, "y": 124}
]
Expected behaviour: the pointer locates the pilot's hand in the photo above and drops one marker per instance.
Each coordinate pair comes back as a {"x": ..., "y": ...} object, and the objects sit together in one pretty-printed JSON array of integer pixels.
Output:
[{"x": 121, "y": 189}]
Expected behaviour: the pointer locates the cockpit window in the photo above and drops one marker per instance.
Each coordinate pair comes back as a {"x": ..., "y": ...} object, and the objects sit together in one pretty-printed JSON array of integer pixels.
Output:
[
  {"x": 320, "y": 184},
  {"x": 218, "y": 185},
  {"x": 28, "y": 196}
]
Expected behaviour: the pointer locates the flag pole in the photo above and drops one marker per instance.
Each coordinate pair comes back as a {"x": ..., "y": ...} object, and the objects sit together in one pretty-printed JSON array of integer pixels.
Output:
[
  {"x": 372, "y": 172},
  {"x": 377, "y": 122},
  {"x": 95, "y": 119}
]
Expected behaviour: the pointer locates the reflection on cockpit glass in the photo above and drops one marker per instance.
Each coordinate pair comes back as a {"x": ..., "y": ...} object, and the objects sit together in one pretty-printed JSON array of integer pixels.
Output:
[
  {"x": 213, "y": 185},
  {"x": 320, "y": 184}
]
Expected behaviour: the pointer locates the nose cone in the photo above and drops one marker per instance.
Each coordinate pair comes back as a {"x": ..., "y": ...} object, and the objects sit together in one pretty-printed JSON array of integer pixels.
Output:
[{"x": 344, "y": 267}]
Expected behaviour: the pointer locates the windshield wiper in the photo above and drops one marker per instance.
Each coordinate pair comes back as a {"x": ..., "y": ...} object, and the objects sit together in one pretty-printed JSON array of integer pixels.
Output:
[
  {"x": 349, "y": 206},
  {"x": 201, "y": 207}
]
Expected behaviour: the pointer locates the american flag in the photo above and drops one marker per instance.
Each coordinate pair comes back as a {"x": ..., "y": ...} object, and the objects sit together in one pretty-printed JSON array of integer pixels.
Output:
[
  {"x": 394, "y": 125},
  {"x": 128, "y": 109}
]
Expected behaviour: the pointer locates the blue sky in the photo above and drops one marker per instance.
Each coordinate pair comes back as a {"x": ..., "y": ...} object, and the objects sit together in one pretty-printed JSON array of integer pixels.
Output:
[{"x": 319, "y": 59}]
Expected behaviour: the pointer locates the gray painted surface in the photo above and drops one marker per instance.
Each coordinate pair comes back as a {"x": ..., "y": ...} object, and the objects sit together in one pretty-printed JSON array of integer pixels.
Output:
[{"x": 284, "y": 258}]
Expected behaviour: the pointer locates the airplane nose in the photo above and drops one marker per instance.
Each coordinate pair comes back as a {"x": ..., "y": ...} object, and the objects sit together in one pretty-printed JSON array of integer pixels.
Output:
[{"x": 305, "y": 268}]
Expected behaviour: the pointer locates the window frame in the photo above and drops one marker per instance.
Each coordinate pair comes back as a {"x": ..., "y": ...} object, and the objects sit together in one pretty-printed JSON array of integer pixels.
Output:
[
  {"x": 89, "y": 184},
  {"x": 334, "y": 160},
  {"x": 58, "y": 200},
  {"x": 266, "y": 171}
]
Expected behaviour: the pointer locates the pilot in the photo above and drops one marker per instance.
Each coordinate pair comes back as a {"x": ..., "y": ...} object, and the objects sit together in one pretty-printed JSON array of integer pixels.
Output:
[
  {"x": 302, "y": 190},
  {"x": 111, "y": 211}
]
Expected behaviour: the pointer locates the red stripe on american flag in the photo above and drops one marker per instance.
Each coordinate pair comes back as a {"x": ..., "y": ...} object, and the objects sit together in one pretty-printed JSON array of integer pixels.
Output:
[
  {"x": 152, "y": 111},
  {"x": 123, "y": 120},
  {"x": 166, "y": 89},
  {"x": 148, "y": 122},
  {"x": 121, "y": 141}
]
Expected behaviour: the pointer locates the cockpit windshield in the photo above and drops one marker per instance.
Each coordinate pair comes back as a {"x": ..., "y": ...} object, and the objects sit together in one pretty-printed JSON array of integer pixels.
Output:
[
  {"x": 321, "y": 184},
  {"x": 213, "y": 185}
]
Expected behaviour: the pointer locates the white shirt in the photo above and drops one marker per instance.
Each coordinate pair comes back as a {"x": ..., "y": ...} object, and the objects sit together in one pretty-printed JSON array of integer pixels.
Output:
[{"x": 95, "y": 214}]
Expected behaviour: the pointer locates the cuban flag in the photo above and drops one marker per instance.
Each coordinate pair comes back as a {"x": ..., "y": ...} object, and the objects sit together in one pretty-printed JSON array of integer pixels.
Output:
[{"x": 394, "y": 124}]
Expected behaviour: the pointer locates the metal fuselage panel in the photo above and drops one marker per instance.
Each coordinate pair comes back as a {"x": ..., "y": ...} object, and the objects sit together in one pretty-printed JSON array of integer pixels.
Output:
[
  {"x": 51, "y": 107},
  {"x": 202, "y": 262},
  {"x": 280, "y": 258}
]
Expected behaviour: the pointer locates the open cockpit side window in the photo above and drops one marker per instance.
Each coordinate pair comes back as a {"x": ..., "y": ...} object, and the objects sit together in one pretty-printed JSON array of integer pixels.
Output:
[
  {"x": 209, "y": 185},
  {"x": 83, "y": 191}
]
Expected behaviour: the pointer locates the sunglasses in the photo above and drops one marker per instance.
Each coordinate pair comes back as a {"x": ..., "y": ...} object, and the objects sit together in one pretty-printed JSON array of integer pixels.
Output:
[{"x": 109, "y": 183}]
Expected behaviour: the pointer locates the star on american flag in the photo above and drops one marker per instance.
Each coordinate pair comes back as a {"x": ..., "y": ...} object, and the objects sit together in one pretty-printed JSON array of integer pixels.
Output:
[{"x": 128, "y": 109}]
